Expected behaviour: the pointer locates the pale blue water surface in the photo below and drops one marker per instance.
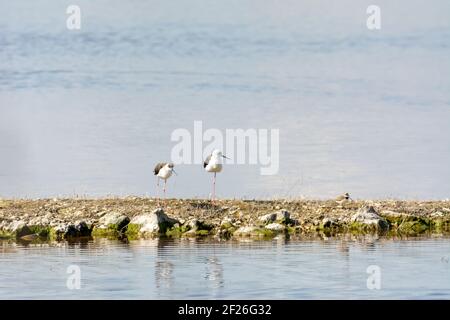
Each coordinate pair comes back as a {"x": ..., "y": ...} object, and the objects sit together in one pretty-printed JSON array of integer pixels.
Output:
[
  {"x": 90, "y": 112},
  {"x": 329, "y": 268}
]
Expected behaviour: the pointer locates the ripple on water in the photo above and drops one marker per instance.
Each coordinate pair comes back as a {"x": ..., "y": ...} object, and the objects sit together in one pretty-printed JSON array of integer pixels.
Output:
[{"x": 181, "y": 268}]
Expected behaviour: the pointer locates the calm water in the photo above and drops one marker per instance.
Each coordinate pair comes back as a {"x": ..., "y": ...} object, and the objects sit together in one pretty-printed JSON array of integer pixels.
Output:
[
  {"x": 189, "y": 269},
  {"x": 90, "y": 112}
]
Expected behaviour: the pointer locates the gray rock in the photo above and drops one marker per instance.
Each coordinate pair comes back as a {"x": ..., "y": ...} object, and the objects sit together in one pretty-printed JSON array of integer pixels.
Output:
[
  {"x": 193, "y": 224},
  {"x": 4, "y": 225},
  {"x": 275, "y": 227},
  {"x": 283, "y": 215},
  {"x": 78, "y": 229},
  {"x": 155, "y": 222},
  {"x": 101, "y": 213},
  {"x": 329, "y": 223},
  {"x": 20, "y": 228},
  {"x": 117, "y": 220},
  {"x": 227, "y": 220},
  {"x": 270, "y": 217},
  {"x": 437, "y": 214},
  {"x": 16, "y": 225},
  {"x": 38, "y": 221},
  {"x": 60, "y": 229},
  {"x": 190, "y": 233},
  {"x": 54, "y": 223},
  {"x": 246, "y": 231},
  {"x": 368, "y": 216}
]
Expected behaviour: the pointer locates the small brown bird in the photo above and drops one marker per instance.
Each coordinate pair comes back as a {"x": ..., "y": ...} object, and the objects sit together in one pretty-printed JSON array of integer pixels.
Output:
[{"x": 343, "y": 197}]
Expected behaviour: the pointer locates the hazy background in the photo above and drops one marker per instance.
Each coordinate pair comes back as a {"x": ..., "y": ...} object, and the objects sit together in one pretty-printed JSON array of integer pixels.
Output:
[{"x": 90, "y": 112}]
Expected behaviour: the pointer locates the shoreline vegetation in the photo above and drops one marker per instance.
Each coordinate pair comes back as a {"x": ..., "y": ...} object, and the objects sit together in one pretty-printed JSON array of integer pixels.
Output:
[{"x": 136, "y": 218}]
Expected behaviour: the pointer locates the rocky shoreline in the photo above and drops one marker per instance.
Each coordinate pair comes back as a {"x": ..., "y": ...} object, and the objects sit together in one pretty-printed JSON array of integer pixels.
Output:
[{"x": 133, "y": 218}]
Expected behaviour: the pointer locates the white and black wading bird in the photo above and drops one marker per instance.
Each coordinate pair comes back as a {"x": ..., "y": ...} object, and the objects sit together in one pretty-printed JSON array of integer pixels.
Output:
[
  {"x": 163, "y": 170},
  {"x": 213, "y": 163}
]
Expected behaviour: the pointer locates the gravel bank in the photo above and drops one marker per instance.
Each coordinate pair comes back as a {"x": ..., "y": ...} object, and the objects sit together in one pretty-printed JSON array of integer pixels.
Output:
[{"x": 133, "y": 217}]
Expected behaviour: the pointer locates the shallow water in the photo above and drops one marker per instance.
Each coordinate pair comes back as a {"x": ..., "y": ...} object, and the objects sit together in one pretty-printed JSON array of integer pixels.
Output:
[
  {"x": 91, "y": 112},
  {"x": 333, "y": 268}
]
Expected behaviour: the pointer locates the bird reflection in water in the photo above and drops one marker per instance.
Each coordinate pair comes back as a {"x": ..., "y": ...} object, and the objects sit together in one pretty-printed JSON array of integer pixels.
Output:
[
  {"x": 214, "y": 272},
  {"x": 163, "y": 267},
  {"x": 164, "y": 274}
]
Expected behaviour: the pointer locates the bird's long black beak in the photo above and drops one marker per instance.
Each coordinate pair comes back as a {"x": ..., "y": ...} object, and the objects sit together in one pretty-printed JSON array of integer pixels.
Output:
[
  {"x": 174, "y": 172},
  {"x": 225, "y": 157}
]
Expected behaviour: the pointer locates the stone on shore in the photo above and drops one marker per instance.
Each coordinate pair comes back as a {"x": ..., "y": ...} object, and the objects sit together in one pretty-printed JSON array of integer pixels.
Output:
[
  {"x": 156, "y": 222},
  {"x": 246, "y": 231},
  {"x": 275, "y": 227},
  {"x": 329, "y": 223},
  {"x": 368, "y": 217},
  {"x": 195, "y": 225},
  {"x": 114, "y": 220},
  {"x": 270, "y": 217},
  {"x": 283, "y": 215},
  {"x": 57, "y": 219},
  {"x": 19, "y": 228},
  {"x": 78, "y": 229},
  {"x": 227, "y": 222}
]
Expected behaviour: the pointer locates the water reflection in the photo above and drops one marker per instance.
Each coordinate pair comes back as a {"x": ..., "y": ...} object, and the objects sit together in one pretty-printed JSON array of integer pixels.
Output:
[
  {"x": 343, "y": 247},
  {"x": 296, "y": 267},
  {"x": 68, "y": 128},
  {"x": 164, "y": 268},
  {"x": 164, "y": 274},
  {"x": 214, "y": 272}
]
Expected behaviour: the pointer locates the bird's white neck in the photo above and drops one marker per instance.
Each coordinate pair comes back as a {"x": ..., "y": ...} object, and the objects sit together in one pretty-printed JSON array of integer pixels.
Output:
[{"x": 216, "y": 159}]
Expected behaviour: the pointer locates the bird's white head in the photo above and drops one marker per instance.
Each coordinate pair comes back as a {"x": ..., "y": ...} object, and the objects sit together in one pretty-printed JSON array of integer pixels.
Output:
[
  {"x": 170, "y": 166},
  {"x": 217, "y": 153}
]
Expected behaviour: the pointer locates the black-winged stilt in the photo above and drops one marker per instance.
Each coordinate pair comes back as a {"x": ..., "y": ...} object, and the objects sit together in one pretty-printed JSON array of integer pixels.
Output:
[
  {"x": 163, "y": 170},
  {"x": 213, "y": 163}
]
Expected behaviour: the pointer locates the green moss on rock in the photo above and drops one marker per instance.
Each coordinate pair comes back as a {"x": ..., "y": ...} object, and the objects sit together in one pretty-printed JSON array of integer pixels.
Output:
[
  {"x": 132, "y": 230},
  {"x": 359, "y": 227},
  {"x": 6, "y": 235},
  {"x": 202, "y": 232},
  {"x": 176, "y": 231},
  {"x": 411, "y": 224},
  {"x": 265, "y": 233}
]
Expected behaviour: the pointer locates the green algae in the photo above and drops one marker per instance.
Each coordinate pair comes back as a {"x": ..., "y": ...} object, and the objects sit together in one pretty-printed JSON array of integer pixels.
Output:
[
  {"x": 176, "y": 231},
  {"x": 202, "y": 232},
  {"x": 133, "y": 230},
  {"x": 265, "y": 233},
  {"x": 417, "y": 225},
  {"x": 112, "y": 231},
  {"x": 5, "y": 235}
]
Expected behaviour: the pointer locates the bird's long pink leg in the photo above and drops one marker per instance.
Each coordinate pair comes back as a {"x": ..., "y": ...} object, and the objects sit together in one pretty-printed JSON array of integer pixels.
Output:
[
  {"x": 165, "y": 182},
  {"x": 157, "y": 190},
  {"x": 214, "y": 187}
]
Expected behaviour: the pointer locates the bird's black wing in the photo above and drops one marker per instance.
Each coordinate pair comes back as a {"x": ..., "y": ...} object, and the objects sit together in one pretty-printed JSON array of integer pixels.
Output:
[
  {"x": 205, "y": 163},
  {"x": 158, "y": 167}
]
